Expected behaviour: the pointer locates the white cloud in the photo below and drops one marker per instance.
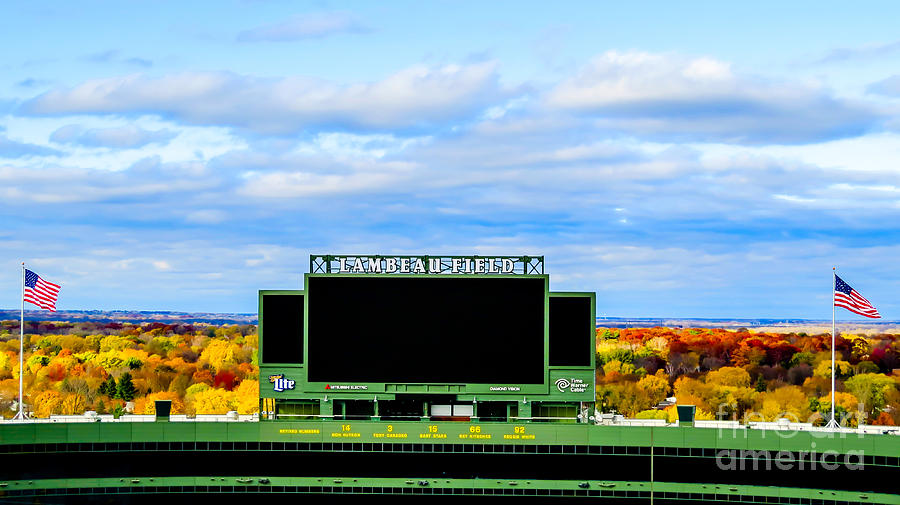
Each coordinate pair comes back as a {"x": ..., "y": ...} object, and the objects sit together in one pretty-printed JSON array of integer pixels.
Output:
[
  {"x": 371, "y": 178},
  {"x": 308, "y": 26},
  {"x": 122, "y": 137},
  {"x": 867, "y": 51},
  {"x": 11, "y": 149},
  {"x": 616, "y": 79},
  {"x": 206, "y": 216},
  {"x": 161, "y": 266},
  {"x": 412, "y": 97},
  {"x": 889, "y": 86},
  {"x": 148, "y": 179},
  {"x": 702, "y": 99}
]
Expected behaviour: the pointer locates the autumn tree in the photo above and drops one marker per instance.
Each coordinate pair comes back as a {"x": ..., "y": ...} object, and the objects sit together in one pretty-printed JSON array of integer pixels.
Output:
[
  {"x": 46, "y": 403},
  {"x": 213, "y": 401},
  {"x": 73, "y": 404},
  {"x": 823, "y": 369},
  {"x": 871, "y": 390},
  {"x": 219, "y": 354},
  {"x": 846, "y": 406},
  {"x": 729, "y": 376},
  {"x": 247, "y": 397},
  {"x": 654, "y": 387},
  {"x": 147, "y": 404}
]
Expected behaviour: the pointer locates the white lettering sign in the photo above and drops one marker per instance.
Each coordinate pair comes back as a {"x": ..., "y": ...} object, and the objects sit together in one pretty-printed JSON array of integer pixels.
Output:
[
  {"x": 281, "y": 383},
  {"x": 421, "y": 265}
]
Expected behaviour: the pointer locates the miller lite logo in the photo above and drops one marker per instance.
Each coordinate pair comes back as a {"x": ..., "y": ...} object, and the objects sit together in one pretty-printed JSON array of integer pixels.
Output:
[{"x": 280, "y": 383}]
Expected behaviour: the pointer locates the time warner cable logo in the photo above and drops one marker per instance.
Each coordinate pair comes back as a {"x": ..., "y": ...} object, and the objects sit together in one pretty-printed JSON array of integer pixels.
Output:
[
  {"x": 571, "y": 385},
  {"x": 280, "y": 383}
]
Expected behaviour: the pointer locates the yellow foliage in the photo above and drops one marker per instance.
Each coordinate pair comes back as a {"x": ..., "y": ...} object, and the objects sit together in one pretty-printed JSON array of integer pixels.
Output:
[
  {"x": 140, "y": 385},
  {"x": 651, "y": 414},
  {"x": 85, "y": 356},
  {"x": 218, "y": 353},
  {"x": 35, "y": 362},
  {"x": 847, "y": 401},
  {"x": 859, "y": 346},
  {"x": 699, "y": 414},
  {"x": 247, "y": 397},
  {"x": 823, "y": 369},
  {"x": 92, "y": 342},
  {"x": 213, "y": 401},
  {"x": 109, "y": 360},
  {"x": 729, "y": 376},
  {"x": 9, "y": 389},
  {"x": 115, "y": 343},
  {"x": 66, "y": 362},
  {"x": 690, "y": 391},
  {"x": 196, "y": 388},
  {"x": 73, "y": 404},
  {"x": 146, "y": 404},
  {"x": 126, "y": 354},
  {"x": 702, "y": 415},
  {"x": 616, "y": 366},
  {"x": 6, "y": 361},
  {"x": 658, "y": 344},
  {"x": 152, "y": 361},
  {"x": 46, "y": 403},
  {"x": 671, "y": 414},
  {"x": 655, "y": 387},
  {"x": 787, "y": 401}
]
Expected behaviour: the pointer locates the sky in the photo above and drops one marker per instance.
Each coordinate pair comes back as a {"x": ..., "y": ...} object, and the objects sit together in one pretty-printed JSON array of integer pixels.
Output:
[{"x": 680, "y": 159}]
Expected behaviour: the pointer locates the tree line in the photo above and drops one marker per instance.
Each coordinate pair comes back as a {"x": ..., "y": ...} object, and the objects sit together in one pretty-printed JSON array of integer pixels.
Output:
[
  {"x": 74, "y": 367},
  {"x": 746, "y": 375}
]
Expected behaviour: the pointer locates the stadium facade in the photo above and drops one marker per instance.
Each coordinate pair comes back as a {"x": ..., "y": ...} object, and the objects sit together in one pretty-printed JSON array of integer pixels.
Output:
[{"x": 453, "y": 377}]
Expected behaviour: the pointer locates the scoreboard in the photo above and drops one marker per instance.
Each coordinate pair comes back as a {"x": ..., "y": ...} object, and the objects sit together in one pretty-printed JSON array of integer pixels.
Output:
[
  {"x": 435, "y": 330},
  {"x": 497, "y": 334}
]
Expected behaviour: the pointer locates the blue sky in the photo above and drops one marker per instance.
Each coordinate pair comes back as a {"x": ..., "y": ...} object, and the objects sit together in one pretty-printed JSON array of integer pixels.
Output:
[{"x": 696, "y": 159}]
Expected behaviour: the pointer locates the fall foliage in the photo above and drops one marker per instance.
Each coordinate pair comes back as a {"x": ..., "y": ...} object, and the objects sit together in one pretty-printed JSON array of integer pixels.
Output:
[
  {"x": 74, "y": 367},
  {"x": 207, "y": 369},
  {"x": 746, "y": 375}
]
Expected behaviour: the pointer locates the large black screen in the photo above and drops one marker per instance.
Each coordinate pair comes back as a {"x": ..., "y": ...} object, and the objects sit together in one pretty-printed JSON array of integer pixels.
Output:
[
  {"x": 282, "y": 328},
  {"x": 426, "y": 330},
  {"x": 571, "y": 331}
]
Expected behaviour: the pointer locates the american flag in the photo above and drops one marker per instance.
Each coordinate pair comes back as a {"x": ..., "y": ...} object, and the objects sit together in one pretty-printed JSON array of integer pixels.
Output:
[
  {"x": 40, "y": 292},
  {"x": 847, "y": 297}
]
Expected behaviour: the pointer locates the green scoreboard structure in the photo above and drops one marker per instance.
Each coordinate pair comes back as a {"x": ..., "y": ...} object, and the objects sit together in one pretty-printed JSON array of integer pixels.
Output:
[{"x": 464, "y": 338}]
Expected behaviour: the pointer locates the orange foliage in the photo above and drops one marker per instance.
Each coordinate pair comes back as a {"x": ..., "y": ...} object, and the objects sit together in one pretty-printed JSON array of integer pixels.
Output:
[
  {"x": 56, "y": 372},
  {"x": 46, "y": 403},
  {"x": 90, "y": 352},
  {"x": 884, "y": 419},
  {"x": 146, "y": 404},
  {"x": 203, "y": 376}
]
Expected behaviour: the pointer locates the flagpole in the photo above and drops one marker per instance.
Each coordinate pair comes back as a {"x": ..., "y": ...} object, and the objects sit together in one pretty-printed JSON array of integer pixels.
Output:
[
  {"x": 21, "y": 414},
  {"x": 833, "y": 422}
]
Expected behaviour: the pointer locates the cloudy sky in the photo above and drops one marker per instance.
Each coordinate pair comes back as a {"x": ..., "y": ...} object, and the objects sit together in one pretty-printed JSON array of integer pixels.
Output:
[{"x": 681, "y": 159}]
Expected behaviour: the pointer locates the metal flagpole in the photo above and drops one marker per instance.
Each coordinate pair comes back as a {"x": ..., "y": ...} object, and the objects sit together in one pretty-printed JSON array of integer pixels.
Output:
[
  {"x": 833, "y": 422},
  {"x": 21, "y": 414}
]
